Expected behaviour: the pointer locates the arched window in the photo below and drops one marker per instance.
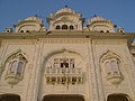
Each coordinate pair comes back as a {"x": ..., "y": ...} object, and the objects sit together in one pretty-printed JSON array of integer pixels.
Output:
[
  {"x": 107, "y": 31},
  {"x": 12, "y": 67},
  {"x": 108, "y": 67},
  {"x": 57, "y": 27},
  {"x": 16, "y": 65},
  {"x": 27, "y": 31},
  {"x": 22, "y": 31},
  {"x": 101, "y": 31},
  {"x": 20, "y": 67},
  {"x": 112, "y": 66},
  {"x": 71, "y": 27},
  {"x": 64, "y": 27}
]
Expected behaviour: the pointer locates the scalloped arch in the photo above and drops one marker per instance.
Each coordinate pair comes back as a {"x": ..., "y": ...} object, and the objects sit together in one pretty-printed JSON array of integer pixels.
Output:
[
  {"x": 58, "y": 52},
  {"x": 10, "y": 56},
  {"x": 109, "y": 54}
]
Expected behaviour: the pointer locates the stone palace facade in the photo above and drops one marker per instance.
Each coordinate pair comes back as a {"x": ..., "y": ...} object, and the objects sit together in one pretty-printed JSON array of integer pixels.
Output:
[{"x": 67, "y": 61}]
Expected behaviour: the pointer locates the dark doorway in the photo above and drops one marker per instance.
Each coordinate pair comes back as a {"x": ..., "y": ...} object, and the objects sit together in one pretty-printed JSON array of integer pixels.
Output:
[
  {"x": 63, "y": 98},
  {"x": 9, "y": 97},
  {"x": 117, "y": 98}
]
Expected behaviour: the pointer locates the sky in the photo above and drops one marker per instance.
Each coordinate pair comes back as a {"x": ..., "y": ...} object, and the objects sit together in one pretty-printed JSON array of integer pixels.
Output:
[{"x": 120, "y": 12}]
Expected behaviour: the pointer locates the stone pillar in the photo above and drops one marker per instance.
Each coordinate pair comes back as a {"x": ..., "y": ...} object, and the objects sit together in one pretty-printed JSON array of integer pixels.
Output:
[
  {"x": 33, "y": 85},
  {"x": 94, "y": 84},
  {"x": 99, "y": 77}
]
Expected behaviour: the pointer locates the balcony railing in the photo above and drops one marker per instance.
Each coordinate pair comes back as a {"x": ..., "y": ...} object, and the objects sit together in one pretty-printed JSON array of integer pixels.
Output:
[{"x": 63, "y": 75}]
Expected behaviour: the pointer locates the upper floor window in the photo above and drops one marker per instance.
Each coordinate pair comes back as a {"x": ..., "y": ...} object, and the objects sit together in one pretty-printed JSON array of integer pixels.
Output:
[
  {"x": 101, "y": 31},
  {"x": 16, "y": 66},
  {"x": 112, "y": 66},
  {"x": 64, "y": 62},
  {"x": 71, "y": 27},
  {"x": 12, "y": 67},
  {"x": 22, "y": 31},
  {"x": 64, "y": 27},
  {"x": 57, "y": 27},
  {"x": 111, "y": 63},
  {"x": 20, "y": 67},
  {"x": 27, "y": 31}
]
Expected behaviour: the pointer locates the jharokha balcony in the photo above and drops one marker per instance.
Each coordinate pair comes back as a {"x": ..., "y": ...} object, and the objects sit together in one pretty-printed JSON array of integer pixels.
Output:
[{"x": 63, "y": 75}]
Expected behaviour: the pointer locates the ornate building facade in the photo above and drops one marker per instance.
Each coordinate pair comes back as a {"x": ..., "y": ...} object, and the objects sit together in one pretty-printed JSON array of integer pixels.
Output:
[{"x": 67, "y": 61}]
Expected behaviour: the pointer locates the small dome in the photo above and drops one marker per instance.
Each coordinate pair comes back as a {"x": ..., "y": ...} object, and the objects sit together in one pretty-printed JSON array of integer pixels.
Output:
[
  {"x": 65, "y": 9},
  {"x": 97, "y": 18},
  {"x": 34, "y": 18}
]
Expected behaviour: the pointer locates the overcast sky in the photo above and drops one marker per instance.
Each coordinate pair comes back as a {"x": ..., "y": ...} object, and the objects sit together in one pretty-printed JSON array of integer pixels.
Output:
[{"x": 121, "y": 12}]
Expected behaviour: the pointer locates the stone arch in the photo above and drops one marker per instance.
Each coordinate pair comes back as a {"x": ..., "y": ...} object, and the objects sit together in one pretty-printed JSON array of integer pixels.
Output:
[{"x": 58, "y": 52}]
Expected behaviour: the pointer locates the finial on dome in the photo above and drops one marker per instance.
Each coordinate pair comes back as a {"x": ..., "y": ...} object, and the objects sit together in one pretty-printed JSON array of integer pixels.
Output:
[
  {"x": 36, "y": 15},
  {"x": 95, "y": 15},
  {"x": 66, "y": 6}
]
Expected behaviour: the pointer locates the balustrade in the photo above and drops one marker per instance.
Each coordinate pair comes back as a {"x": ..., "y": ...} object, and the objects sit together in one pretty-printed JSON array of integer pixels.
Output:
[{"x": 63, "y": 75}]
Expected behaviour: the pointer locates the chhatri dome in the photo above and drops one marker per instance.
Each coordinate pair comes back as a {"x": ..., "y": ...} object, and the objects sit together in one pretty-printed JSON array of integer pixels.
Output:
[
  {"x": 65, "y": 19},
  {"x": 66, "y": 9}
]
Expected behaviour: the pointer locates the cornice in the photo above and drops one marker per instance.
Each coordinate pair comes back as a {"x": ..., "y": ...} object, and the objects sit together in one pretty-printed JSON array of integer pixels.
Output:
[{"x": 67, "y": 34}]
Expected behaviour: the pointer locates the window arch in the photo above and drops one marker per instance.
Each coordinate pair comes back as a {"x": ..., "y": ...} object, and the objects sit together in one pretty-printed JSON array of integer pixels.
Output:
[
  {"x": 112, "y": 66},
  {"x": 17, "y": 65},
  {"x": 64, "y": 27},
  {"x": 20, "y": 67},
  {"x": 27, "y": 31},
  {"x": 64, "y": 62},
  {"x": 15, "y": 68},
  {"x": 71, "y": 27},
  {"x": 22, "y": 31},
  {"x": 107, "y": 31},
  {"x": 12, "y": 67},
  {"x": 57, "y": 27},
  {"x": 101, "y": 31}
]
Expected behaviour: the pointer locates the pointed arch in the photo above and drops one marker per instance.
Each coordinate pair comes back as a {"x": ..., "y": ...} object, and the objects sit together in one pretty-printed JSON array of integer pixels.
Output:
[
  {"x": 109, "y": 54},
  {"x": 59, "y": 52}
]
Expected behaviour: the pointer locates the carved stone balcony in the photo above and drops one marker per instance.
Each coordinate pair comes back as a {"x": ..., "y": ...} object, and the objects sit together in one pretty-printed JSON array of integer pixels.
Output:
[
  {"x": 114, "y": 77},
  {"x": 13, "y": 79},
  {"x": 63, "y": 75}
]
